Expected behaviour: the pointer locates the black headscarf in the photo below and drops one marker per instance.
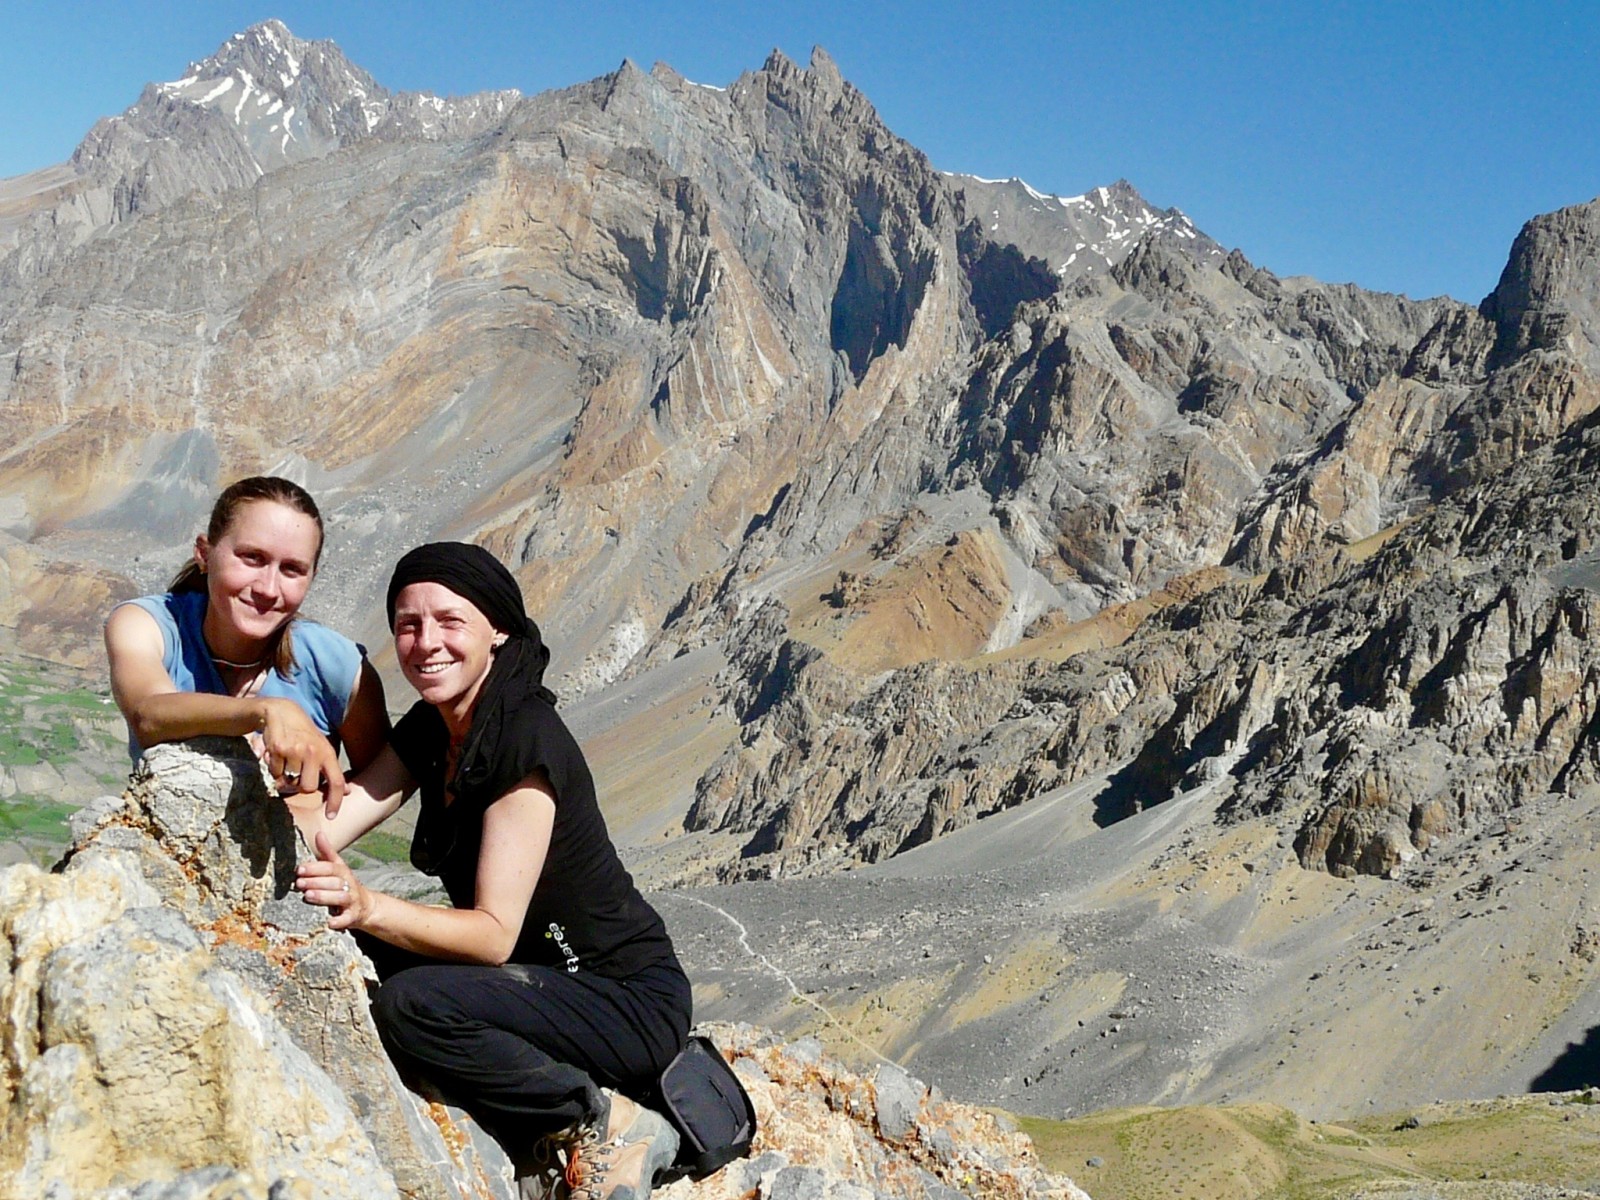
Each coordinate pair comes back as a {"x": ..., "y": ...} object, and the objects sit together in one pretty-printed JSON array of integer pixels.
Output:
[{"x": 493, "y": 759}]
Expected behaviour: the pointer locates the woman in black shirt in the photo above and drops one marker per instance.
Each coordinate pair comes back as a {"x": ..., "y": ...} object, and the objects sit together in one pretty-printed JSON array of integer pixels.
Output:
[{"x": 550, "y": 988}]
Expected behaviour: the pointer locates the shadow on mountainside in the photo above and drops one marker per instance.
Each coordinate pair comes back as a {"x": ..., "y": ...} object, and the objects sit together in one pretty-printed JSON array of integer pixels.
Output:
[
  {"x": 1578, "y": 1066},
  {"x": 1123, "y": 796}
]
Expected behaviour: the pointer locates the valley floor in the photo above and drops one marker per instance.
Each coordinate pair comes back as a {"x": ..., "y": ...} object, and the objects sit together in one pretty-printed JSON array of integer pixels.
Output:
[
  {"x": 1039, "y": 963},
  {"x": 1532, "y": 1148}
]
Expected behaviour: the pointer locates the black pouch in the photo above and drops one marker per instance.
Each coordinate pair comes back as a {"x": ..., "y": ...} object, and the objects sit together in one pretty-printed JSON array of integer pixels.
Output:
[{"x": 706, "y": 1103}]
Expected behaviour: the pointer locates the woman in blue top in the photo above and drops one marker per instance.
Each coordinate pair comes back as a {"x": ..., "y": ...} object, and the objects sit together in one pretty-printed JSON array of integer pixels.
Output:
[{"x": 221, "y": 652}]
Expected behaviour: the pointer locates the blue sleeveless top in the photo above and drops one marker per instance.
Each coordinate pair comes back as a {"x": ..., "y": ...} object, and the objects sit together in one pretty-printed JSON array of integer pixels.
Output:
[{"x": 327, "y": 664}]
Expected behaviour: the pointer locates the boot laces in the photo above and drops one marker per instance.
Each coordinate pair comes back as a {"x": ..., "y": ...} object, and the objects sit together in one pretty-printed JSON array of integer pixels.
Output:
[{"x": 588, "y": 1164}]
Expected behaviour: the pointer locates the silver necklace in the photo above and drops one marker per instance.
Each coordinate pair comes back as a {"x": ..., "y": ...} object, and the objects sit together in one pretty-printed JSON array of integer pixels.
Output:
[{"x": 249, "y": 666}]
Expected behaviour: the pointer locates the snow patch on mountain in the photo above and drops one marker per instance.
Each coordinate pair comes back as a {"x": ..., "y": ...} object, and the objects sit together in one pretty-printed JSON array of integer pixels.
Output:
[
  {"x": 1076, "y": 235},
  {"x": 266, "y": 100}
]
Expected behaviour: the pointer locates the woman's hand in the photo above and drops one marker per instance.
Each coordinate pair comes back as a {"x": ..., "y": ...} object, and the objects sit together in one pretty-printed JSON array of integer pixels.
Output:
[
  {"x": 516, "y": 835},
  {"x": 327, "y": 880},
  {"x": 298, "y": 756}
]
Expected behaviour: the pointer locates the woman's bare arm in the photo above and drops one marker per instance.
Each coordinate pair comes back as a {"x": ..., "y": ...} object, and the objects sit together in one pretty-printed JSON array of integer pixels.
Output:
[
  {"x": 298, "y": 754},
  {"x": 365, "y": 728},
  {"x": 372, "y": 796},
  {"x": 516, "y": 837}
]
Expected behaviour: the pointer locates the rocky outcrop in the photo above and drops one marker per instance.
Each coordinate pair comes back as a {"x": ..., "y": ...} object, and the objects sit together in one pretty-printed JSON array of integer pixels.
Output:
[
  {"x": 1130, "y": 441},
  {"x": 828, "y": 1132},
  {"x": 178, "y": 1023},
  {"x": 838, "y": 770},
  {"x": 176, "y": 1016}
]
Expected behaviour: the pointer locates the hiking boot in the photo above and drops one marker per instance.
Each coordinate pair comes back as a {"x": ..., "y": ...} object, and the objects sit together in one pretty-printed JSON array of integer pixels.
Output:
[
  {"x": 628, "y": 1121},
  {"x": 617, "y": 1156}
]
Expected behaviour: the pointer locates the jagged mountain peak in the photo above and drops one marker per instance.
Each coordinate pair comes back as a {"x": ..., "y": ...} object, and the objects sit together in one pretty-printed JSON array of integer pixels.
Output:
[
  {"x": 821, "y": 73},
  {"x": 777, "y": 61},
  {"x": 1547, "y": 296},
  {"x": 270, "y": 52},
  {"x": 265, "y": 100},
  {"x": 825, "y": 68},
  {"x": 1087, "y": 234},
  {"x": 288, "y": 99}
]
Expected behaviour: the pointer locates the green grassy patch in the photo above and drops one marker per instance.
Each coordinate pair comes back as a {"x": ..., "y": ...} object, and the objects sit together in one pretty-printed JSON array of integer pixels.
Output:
[
  {"x": 384, "y": 847},
  {"x": 16, "y": 750},
  {"x": 1261, "y": 1152},
  {"x": 50, "y": 714},
  {"x": 35, "y": 818}
]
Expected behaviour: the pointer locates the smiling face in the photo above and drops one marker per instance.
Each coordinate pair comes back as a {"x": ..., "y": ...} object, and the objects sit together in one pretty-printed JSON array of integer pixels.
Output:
[
  {"x": 257, "y": 575},
  {"x": 445, "y": 646}
]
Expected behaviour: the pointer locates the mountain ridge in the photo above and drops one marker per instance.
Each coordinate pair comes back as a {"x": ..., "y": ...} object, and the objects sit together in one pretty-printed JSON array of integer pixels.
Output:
[{"x": 858, "y": 530}]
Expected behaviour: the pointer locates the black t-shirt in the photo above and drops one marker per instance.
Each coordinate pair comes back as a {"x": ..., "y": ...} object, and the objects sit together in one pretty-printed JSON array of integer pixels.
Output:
[{"x": 585, "y": 912}]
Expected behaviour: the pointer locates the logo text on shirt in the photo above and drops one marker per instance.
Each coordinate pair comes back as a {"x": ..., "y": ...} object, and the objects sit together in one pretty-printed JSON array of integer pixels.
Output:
[{"x": 560, "y": 935}]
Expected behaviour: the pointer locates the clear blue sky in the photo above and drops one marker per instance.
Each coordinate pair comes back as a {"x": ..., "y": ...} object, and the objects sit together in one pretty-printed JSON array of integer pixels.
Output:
[{"x": 1398, "y": 145}]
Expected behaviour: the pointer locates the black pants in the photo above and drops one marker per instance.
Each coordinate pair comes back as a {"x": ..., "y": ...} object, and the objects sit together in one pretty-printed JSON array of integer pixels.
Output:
[{"x": 525, "y": 1049}]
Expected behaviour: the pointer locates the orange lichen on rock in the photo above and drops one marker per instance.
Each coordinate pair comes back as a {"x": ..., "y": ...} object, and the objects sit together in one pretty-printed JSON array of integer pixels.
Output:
[{"x": 235, "y": 929}]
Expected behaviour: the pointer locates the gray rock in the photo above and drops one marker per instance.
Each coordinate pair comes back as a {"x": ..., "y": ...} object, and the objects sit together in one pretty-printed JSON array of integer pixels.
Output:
[
  {"x": 204, "y": 1183},
  {"x": 806, "y": 1049},
  {"x": 934, "y": 1188},
  {"x": 92, "y": 815},
  {"x": 184, "y": 964},
  {"x": 796, "y": 1183},
  {"x": 899, "y": 1101}
]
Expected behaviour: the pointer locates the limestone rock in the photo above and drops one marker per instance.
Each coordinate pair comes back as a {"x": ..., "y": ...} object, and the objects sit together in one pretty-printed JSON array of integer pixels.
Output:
[
  {"x": 176, "y": 1016},
  {"x": 825, "y": 1131},
  {"x": 133, "y": 1057}
]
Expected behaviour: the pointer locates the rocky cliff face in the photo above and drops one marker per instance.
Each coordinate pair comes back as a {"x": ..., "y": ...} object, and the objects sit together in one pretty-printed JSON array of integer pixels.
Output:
[
  {"x": 180, "y": 1024},
  {"x": 724, "y": 330},
  {"x": 748, "y": 392},
  {"x": 1389, "y": 682}
]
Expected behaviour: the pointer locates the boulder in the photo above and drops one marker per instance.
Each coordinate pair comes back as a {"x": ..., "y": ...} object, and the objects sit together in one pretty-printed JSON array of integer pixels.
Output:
[
  {"x": 175, "y": 1017},
  {"x": 827, "y": 1133}
]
